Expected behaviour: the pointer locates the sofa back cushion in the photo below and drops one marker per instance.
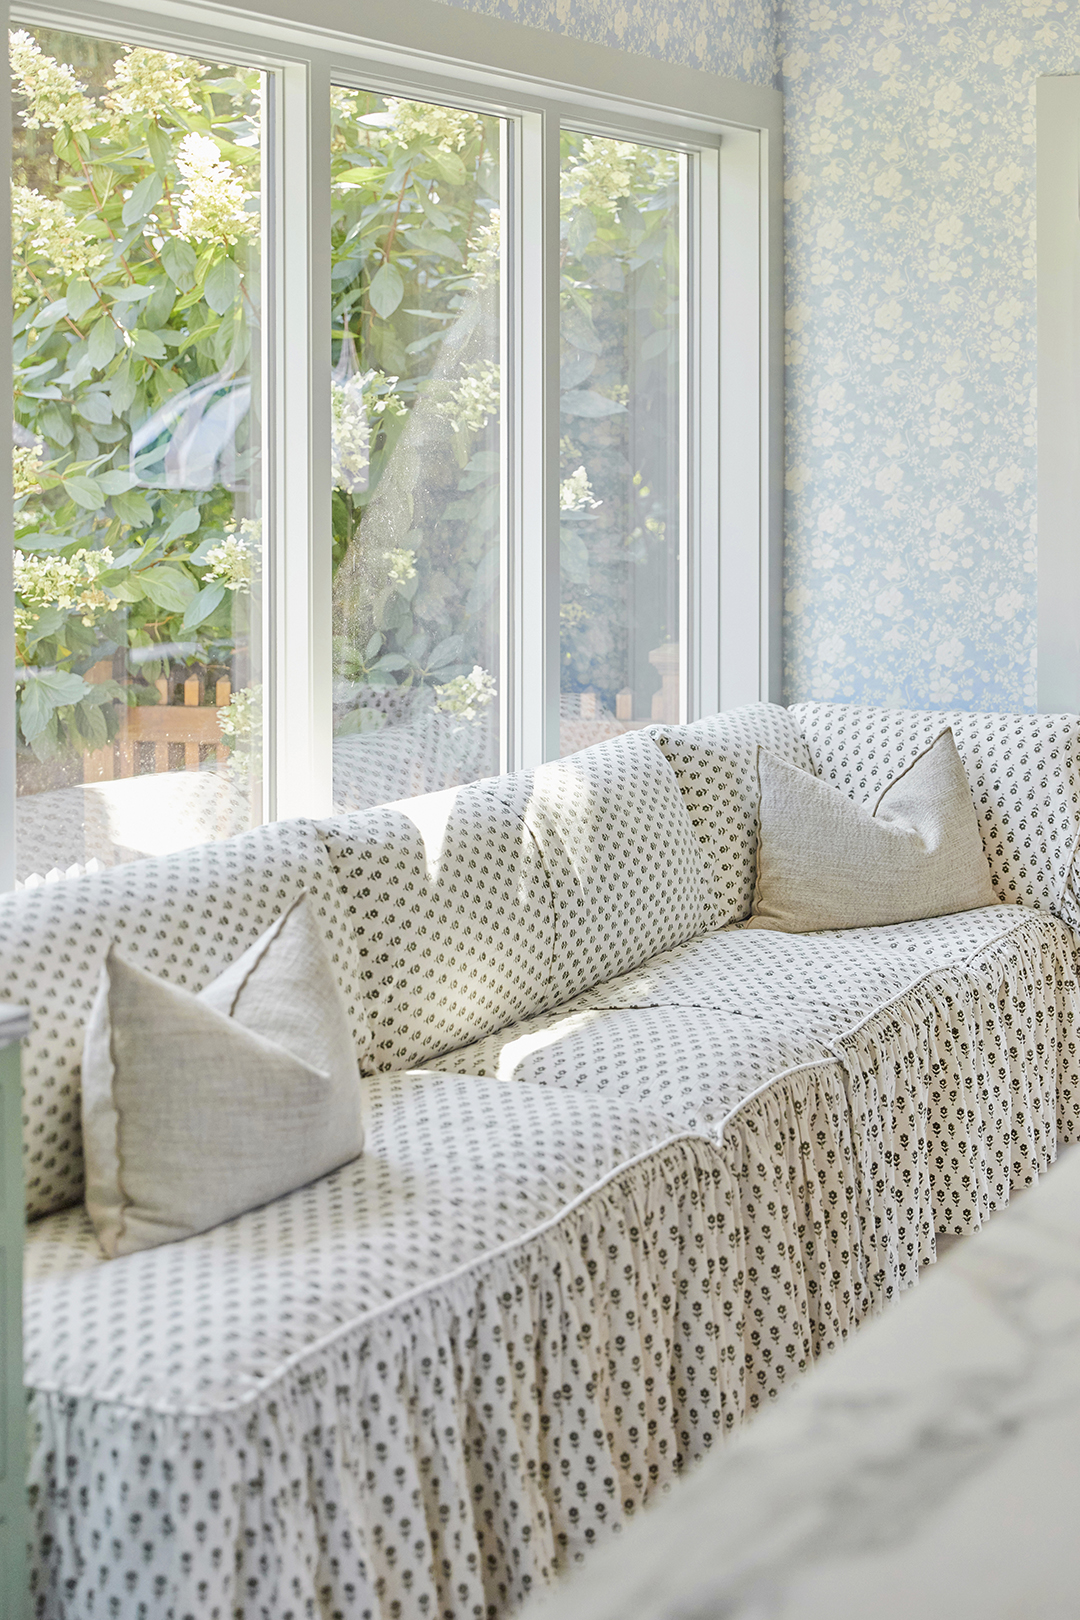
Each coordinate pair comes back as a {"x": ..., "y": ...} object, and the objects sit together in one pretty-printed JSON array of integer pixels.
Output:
[
  {"x": 453, "y": 920},
  {"x": 624, "y": 866},
  {"x": 1024, "y": 771},
  {"x": 715, "y": 765},
  {"x": 183, "y": 917}
]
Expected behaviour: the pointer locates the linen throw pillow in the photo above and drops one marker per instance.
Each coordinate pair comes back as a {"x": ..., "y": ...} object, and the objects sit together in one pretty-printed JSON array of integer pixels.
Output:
[
  {"x": 824, "y": 862},
  {"x": 198, "y": 1107}
]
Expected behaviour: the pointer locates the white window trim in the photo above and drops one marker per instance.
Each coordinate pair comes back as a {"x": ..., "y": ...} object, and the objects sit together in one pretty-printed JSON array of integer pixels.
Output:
[
  {"x": 1058, "y": 235},
  {"x": 731, "y": 635}
]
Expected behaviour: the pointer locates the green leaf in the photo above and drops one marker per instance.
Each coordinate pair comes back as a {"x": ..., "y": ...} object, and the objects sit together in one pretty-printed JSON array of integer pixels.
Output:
[
  {"x": 133, "y": 508},
  {"x": 80, "y": 297},
  {"x": 180, "y": 262},
  {"x": 117, "y": 482},
  {"x": 222, "y": 286},
  {"x": 130, "y": 294},
  {"x": 45, "y": 693},
  {"x": 48, "y": 621},
  {"x": 168, "y": 588},
  {"x": 435, "y": 242},
  {"x": 448, "y": 165},
  {"x": 55, "y": 425},
  {"x": 185, "y": 522},
  {"x": 145, "y": 196},
  {"x": 578, "y": 330},
  {"x": 102, "y": 342},
  {"x": 95, "y": 408},
  {"x": 200, "y": 607},
  {"x": 586, "y": 402},
  {"x": 386, "y": 291},
  {"x": 129, "y": 590},
  {"x": 43, "y": 541},
  {"x": 85, "y": 492},
  {"x": 148, "y": 344},
  {"x": 582, "y": 231}
]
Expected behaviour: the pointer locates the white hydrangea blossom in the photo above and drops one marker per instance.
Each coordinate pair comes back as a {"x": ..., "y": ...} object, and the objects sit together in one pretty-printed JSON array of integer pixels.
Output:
[
  {"x": 145, "y": 81},
  {"x": 55, "y": 96},
  {"x": 42, "y": 228},
  {"x": 575, "y": 493},
  {"x": 212, "y": 207},
  {"x": 26, "y": 468},
  {"x": 241, "y": 726},
  {"x": 607, "y": 170},
  {"x": 402, "y": 565},
  {"x": 350, "y": 434},
  {"x": 466, "y": 695},
  {"x": 449, "y": 127},
  {"x": 44, "y": 580},
  {"x": 354, "y": 403},
  {"x": 232, "y": 561},
  {"x": 469, "y": 402},
  {"x": 482, "y": 262}
]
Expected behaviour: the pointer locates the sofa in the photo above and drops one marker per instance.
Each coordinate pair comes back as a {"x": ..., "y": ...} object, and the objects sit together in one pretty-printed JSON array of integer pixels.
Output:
[{"x": 631, "y": 1166}]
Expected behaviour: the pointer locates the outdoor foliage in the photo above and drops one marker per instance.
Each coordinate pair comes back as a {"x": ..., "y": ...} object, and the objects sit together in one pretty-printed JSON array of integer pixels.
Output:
[
  {"x": 135, "y": 221},
  {"x": 619, "y": 407},
  {"x": 136, "y": 226},
  {"x": 416, "y": 395}
]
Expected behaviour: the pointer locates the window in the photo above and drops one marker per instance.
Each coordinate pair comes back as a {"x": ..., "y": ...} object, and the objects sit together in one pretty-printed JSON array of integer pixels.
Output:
[
  {"x": 381, "y": 422},
  {"x": 136, "y": 225}
]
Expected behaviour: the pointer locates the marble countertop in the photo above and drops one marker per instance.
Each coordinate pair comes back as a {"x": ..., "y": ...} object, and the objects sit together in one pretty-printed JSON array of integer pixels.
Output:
[
  {"x": 929, "y": 1471},
  {"x": 14, "y": 1023}
]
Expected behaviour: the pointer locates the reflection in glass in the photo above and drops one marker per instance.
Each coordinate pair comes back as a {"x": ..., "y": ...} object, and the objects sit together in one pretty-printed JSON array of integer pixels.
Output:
[
  {"x": 619, "y": 450},
  {"x": 137, "y": 473},
  {"x": 416, "y": 467}
]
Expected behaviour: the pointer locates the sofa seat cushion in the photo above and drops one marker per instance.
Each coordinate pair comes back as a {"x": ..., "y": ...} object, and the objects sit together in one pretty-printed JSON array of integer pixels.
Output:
[
  {"x": 452, "y": 916},
  {"x": 693, "y": 1064},
  {"x": 715, "y": 765},
  {"x": 452, "y": 1167},
  {"x": 422, "y": 1386},
  {"x": 182, "y": 917},
  {"x": 697, "y": 1030},
  {"x": 1024, "y": 772},
  {"x": 624, "y": 866},
  {"x": 825, "y": 981}
]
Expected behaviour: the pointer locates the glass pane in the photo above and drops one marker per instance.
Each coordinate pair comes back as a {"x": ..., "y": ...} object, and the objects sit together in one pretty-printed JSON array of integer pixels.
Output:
[
  {"x": 416, "y": 464},
  {"x": 136, "y": 215},
  {"x": 619, "y": 450}
]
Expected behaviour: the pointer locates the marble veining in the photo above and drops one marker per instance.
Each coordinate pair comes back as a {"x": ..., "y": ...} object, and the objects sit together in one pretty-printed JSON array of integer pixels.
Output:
[{"x": 930, "y": 1469}]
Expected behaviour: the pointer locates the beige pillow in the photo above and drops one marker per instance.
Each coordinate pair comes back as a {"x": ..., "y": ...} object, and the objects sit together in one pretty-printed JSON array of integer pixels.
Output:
[
  {"x": 196, "y": 1108},
  {"x": 824, "y": 862}
]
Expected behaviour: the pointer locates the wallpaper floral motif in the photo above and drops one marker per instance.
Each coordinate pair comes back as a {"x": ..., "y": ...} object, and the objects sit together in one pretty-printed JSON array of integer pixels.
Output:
[
  {"x": 911, "y": 472},
  {"x": 736, "y": 38},
  {"x": 910, "y": 534}
]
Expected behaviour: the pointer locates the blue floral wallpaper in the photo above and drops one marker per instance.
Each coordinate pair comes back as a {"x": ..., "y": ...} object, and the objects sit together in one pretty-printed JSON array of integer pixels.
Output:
[
  {"x": 911, "y": 474},
  {"x": 736, "y": 38},
  {"x": 911, "y": 532}
]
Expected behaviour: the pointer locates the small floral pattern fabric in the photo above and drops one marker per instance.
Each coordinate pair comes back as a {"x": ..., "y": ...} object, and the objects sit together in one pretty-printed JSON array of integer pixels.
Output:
[
  {"x": 453, "y": 920},
  {"x": 184, "y": 917},
  {"x": 427, "y": 1383},
  {"x": 624, "y": 867},
  {"x": 422, "y": 1385},
  {"x": 1024, "y": 771},
  {"x": 715, "y": 765}
]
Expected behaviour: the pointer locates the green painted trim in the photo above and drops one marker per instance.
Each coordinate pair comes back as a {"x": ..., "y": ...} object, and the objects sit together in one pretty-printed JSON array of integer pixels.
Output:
[{"x": 14, "y": 1592}]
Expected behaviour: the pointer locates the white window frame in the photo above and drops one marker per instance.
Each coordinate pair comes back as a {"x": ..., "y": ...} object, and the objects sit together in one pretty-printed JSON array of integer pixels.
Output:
[{"x": 732, "y": 495}]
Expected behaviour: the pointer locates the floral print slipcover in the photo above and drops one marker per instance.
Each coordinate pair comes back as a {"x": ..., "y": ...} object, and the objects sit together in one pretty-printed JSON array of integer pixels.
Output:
[{"x": 653, "y": 1168}]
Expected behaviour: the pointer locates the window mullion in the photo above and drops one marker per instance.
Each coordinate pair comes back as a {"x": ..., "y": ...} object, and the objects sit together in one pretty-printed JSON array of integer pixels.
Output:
[
  {"x": 300, "y": 711},
  {"x": 535, "y": 572}
]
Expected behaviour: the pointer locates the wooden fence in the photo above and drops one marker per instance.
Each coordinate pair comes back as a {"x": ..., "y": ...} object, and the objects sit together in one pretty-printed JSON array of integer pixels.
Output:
[{"x": 178, "y": 717}]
